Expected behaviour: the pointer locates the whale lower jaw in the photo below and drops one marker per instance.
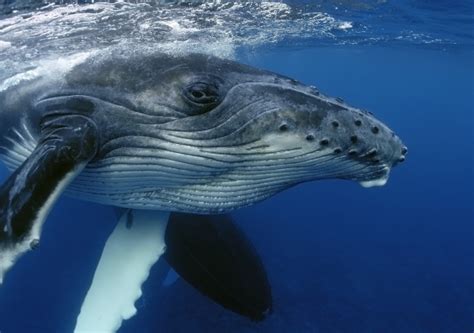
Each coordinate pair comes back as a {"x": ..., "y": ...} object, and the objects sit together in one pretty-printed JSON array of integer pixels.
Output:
[
  {"x": 378, "y": 182},
  {"x": 121, "y": 185},
  {"x": 152, "y": 186},
  {"x": 374, "y": 183}
]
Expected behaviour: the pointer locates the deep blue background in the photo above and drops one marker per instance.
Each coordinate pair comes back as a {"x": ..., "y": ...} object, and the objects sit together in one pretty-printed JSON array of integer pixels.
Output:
[{"x": 340, "y": 258}]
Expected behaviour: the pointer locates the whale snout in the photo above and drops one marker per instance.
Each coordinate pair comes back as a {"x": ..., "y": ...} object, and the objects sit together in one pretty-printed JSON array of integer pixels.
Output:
[
  {"x": 349, "y": 143},
  {"x": 365, "y": 140}
]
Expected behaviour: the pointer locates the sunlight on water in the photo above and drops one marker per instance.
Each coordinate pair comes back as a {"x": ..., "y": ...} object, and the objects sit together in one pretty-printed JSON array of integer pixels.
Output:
[{"x": 216, "y": 27}]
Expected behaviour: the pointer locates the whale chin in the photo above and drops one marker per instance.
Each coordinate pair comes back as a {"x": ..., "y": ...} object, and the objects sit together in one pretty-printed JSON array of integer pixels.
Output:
[{"x": 374, "y": 183}]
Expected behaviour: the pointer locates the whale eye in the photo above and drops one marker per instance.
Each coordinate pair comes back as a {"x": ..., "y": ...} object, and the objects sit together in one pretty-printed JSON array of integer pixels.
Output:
[{"x": 202, "y": 93}]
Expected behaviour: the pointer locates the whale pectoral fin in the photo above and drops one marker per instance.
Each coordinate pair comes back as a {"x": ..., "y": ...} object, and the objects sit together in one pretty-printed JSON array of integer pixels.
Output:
[
  {"x": 127, "y": 257},
  {"x": 67, "y": 143},
  {"x": 209, "y": 252},
  {"x": 212, "y": 254}
]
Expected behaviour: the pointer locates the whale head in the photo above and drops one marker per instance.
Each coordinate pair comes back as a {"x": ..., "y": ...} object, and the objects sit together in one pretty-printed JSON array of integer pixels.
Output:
[{"x": 207, "y": 135}]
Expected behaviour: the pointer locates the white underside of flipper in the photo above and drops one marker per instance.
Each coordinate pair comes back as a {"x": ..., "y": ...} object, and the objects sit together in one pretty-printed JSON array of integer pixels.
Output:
[{"x": 124, "y": 266}]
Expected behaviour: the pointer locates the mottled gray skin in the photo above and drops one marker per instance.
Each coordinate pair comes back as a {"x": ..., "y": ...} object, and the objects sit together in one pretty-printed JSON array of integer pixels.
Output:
[{"x": 199, "y": 134}]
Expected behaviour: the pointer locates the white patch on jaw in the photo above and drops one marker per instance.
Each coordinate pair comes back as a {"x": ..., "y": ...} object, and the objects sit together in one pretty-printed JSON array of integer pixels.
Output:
[{"x": 376, "y": 182}]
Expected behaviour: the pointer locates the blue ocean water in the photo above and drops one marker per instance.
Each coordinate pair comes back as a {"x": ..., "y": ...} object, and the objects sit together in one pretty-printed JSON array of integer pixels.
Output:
[{"x": 340, "y": 258}]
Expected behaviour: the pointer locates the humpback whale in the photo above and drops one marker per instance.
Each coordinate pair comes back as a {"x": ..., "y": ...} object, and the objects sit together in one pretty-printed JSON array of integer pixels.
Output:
[{"x": 174, "y": 141}]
